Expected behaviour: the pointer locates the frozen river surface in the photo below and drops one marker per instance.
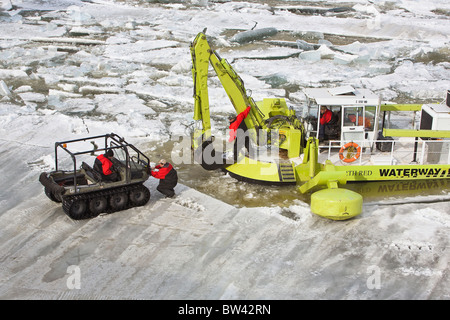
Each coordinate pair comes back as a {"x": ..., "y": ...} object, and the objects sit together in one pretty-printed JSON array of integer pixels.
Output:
[{"x": 78, "y": 68}]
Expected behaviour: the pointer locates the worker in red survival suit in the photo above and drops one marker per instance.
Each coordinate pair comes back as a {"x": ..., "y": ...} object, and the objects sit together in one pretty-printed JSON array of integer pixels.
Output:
[
  {"x": 105, "y": 167},
  {"x": 168, "y": 178},
  {"x": 325, "y": 119},
  {"x": 238, "y": 132}
]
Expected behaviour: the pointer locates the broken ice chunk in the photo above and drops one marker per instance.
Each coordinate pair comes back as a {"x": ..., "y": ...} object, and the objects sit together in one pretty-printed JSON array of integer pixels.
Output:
[
  {"x": 303, "y": 45},
  {"x": 181, "y": 67},
  {"x": 16, "y": 74},
  {"x": 98, "y": 90},
  {"x": 342, "y": 58},
  {"x": 325, "y": 52},
  {"x": 309, "y": 34},
  {"x": 32, "y": 97},
  {"x": 4, "y": 90},
  {"x": 78, "y": 105},
  {"x": 76, "y": 14},
  {"x": 252, "y": 35},
  {"x": 310, "y": 55},
  {"x": 22, "y": 89},
  {"x": 55, "y": 98},
  {"x": 82, "y": 31},
  {"x": 125, "y": 104},
  {"x": 69, "y": 87},
  {"x": 380, "y": 68},
  {"x": 363, "y": 58},
  {"x": 6, "y": 5},
  {"x": 130, "y": 25}
]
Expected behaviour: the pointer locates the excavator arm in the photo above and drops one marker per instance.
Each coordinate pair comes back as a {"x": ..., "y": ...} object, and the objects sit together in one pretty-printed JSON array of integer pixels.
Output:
[
  {"x": 202, "y": 57},
  {"x": 270, "y": 116}
]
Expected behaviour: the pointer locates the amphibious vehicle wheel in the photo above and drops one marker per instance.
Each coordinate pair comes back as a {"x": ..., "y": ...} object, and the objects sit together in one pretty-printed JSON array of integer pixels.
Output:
[
  {"x": 98, "y": 205},
  {"x": 139, "y": 196},
  {"x": 76, "y": 209},
  {"x": 118, "y": 201}
]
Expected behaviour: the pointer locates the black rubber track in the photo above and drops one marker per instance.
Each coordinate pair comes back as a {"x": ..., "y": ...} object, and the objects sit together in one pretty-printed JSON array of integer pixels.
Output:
[{"x": 72, "y": 208}]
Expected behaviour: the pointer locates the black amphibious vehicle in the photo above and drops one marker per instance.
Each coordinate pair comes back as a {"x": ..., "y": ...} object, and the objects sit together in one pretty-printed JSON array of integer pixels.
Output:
[{"x": 82, "y": 190}]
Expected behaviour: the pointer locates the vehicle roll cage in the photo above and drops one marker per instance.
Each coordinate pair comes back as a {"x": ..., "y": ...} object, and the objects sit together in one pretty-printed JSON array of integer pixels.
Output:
[{"x": 119, "y": 143}]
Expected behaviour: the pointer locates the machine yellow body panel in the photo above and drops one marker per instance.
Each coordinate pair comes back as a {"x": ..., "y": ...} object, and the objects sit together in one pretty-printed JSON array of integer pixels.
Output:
[
  {"x": 336, "y": 203},
  {"x": 254, "y": 170}
]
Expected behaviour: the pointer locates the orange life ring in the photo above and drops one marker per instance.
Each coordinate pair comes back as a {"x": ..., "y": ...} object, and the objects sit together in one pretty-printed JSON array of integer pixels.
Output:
[{"x": 347, "y": 158}]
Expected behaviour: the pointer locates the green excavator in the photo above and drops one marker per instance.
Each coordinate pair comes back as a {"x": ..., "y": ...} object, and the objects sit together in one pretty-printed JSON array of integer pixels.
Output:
[
  {"x": 271, "y": 124},
  {"x": 359, "y": 147},
  {"x": 282, "y": 154}
]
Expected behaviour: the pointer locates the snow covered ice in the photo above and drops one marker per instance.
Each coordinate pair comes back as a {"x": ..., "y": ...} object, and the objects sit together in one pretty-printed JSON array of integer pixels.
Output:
[{"x": 73, "y": 68}]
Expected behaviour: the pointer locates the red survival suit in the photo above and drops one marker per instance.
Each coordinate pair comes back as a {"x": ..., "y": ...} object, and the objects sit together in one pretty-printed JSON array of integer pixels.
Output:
[
  {"x": 326, "y": 117},
  {"x": 168, "y": 179},
  {"x": 237, "y": 124},
  {"x": 103, "y": 165},
  {"x": 106, "y": 164}
]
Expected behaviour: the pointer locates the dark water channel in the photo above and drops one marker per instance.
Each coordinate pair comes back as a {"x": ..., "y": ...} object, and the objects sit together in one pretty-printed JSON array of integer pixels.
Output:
[{"x": 222, "y": 186}]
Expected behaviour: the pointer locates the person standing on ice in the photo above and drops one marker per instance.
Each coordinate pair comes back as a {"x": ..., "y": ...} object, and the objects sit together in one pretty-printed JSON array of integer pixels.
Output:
[
  {"x": 105, "y": 167},
  {"x": 237, "y": 130},
  {"x": 168, "y": 178}
]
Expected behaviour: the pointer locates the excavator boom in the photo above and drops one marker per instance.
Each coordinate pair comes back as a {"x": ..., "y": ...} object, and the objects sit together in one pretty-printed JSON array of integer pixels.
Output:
[
  {"x": 267, "y": 118},
  {"x": 202, "y": 56}
]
